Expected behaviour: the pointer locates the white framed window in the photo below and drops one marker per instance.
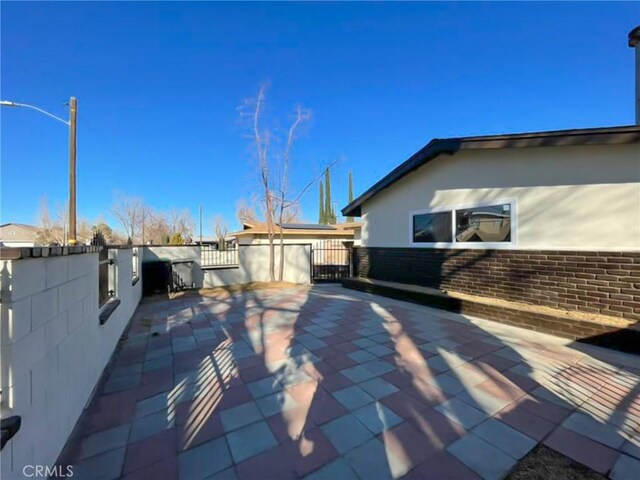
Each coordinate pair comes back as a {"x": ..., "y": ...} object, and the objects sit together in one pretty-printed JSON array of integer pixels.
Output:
[{"x": 490, "y": 224}]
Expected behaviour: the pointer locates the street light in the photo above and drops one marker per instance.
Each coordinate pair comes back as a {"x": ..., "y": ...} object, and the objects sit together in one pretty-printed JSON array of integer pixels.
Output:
[{"x": 71, "y": 123}]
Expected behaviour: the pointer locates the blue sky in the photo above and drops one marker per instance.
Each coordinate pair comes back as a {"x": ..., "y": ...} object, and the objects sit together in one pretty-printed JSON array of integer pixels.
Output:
[{"x": 158, "y": 86}]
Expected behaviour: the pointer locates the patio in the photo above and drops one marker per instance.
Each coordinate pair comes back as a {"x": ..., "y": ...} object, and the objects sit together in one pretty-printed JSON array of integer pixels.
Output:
[{"x": 322, "y": 382}]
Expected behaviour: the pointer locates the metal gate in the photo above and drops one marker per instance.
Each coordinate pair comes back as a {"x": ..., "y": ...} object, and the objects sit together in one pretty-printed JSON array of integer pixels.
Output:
[{"x": 330, "y": 260}]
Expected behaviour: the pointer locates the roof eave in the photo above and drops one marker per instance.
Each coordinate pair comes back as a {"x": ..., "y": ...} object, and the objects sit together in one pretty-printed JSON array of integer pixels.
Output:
[{"x": 586, "y": 136}]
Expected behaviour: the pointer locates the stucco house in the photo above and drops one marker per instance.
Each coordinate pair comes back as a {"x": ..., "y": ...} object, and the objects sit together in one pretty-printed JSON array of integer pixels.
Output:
[
  {"x": 550, "y": 219},
  {"x": 538, "y": 229},
  {"x": 256, "y": 233},
  {"x": 18, "y": 235}
]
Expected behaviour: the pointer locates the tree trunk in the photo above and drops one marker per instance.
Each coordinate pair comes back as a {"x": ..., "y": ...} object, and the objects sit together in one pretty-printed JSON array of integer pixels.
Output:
[{"x": 281, "y": 272}]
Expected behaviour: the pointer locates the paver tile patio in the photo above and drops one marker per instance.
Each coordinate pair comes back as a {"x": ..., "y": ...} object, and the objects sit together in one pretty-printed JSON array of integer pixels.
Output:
[
  {"x": 346, "y": 433},
  {"x": 321, "y": 382},
  {"x": 482, "y": 457}
]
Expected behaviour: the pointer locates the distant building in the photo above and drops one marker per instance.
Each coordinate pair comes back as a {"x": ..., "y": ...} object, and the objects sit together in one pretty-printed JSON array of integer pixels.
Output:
[
  {"x": 18, "y": 235},
  {"x": 255, "y": 233}
]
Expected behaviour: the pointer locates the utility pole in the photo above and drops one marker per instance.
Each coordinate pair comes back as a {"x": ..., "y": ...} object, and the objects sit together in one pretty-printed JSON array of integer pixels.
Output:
[
  {"x": 71, "y": 123},
  {"x": 73, "y": 112},
  {"x": 200, "y": 225}
]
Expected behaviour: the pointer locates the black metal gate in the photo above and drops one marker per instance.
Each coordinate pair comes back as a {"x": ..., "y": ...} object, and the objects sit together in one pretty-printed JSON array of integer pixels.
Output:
[{"x": 330, "y": 260}]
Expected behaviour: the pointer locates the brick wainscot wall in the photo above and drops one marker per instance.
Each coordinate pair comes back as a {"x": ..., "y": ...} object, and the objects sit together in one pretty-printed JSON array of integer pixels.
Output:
[{"x": 605, "y": 283}]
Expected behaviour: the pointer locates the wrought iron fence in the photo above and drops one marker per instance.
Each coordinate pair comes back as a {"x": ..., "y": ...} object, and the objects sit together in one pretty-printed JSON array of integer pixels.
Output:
[
  {"x": 331, "y": 260},
  {"x": 210, "y": 256}
]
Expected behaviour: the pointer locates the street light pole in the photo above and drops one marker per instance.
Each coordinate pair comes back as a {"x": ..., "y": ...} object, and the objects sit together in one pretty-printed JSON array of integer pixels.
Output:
[
  {"x": 71, "y": 123},
  {"x": 73, "y": 112}
]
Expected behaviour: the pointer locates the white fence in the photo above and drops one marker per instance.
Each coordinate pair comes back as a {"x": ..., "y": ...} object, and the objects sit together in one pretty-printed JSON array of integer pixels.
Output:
[{"x": 212, "y": 257}]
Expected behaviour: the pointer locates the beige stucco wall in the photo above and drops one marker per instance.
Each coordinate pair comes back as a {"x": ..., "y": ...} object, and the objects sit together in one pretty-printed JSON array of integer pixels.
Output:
[
  {"x": 576, "y": 197},
  {"x": 253, "y": 266}
]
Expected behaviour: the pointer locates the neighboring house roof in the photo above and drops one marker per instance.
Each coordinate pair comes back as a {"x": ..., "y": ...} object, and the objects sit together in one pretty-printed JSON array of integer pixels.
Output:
[
  {"x": 351, "y": 225},
  {"x": 449, "y": 146},
  {"x": 18, "y": 232},
  {"x": 293, "y": 229}
]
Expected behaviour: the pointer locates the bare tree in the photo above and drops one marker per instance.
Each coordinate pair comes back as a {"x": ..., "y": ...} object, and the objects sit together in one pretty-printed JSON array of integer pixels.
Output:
[
  {"x": 283, "y": 204},
  {"x": 52, "y": 230},
  {"x": 156, "y": 227},
  {"x": 85, "y": 234},
  {"x": 220, "y": 229},
  {"x": 277, "y": 201},
  {"x": 246, "y": 213},
  {"x": 182, "y": 222},
  {"x": 46, "y": 234},
  {"x": 128, "y": 211},
  {"x": 261, "y": 140}
]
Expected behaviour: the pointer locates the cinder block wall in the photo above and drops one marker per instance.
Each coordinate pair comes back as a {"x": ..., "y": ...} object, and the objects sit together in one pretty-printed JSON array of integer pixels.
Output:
[
  {"x": 598, "y": 282},
  {"x": 253, "y": 264},
  {"x": 53, "y": 347}
]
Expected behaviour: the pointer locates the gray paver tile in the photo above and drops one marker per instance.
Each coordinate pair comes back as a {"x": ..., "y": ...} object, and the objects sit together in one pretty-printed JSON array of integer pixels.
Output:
[
  {"x": 337, "y": 470},
  {"x": 204, "y": 460},
  {"x": 126, "y": 371},
  {"x": 379, "y": 367},
  {"x": 632, "y": 447},
  {"x": 380, "y": 350},
  {"x": 370, "y": 461},
  {"x": 483, "y": 401},
  {"x": 361, "y": 356},
  {"x": 264, "y": 387},
  {"x": 626, "y": 468},
  {"x": 157, "y": 353},
  {"x": 447, "y": 383},
  {"x": 364, "y": 343},
  {"x": 105, "y": 440},
  {"x": 250, "y": 440},
  {"x": 106, "y": 466},
  {"x": 438, "y": 364},
  {"x": 591, "y": 428},
  {"x": 157, "y": 363},
  {"x": 358, "y": 373},
  {"x": 150, "y": 425},
  {"x": 377, "y": 418},
  {"x": 460, "y": 412},
  {"x": 276, "y": 403},
  {"x": 352, "y": 397},
  {"x": 118, "y": 384},
  {"x": 346, "y": 433},
  {"x": 482, "y": 457},
  {"x": 183, "y": 344},
  {"x": 378, "y": 387},
  {"x": 507, "y": 439},
  {"x": 236, "y": 417},
  {"x": 151, "y": 405},
  {"x": 228, "y": 474}
]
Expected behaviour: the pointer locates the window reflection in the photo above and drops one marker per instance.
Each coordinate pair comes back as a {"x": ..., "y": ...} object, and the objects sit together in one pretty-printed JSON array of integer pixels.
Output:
[
  {"x": 484, "y": 224},
  {"x": 432, "y": 227}
]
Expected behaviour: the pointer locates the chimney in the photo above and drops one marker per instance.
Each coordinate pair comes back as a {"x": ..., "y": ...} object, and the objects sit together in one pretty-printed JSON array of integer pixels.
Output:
[{"x": 634, "y": 42}]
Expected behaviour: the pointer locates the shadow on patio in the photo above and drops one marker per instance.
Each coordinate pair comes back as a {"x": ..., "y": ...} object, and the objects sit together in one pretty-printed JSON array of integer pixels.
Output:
[{"x": 331, "y": 383}]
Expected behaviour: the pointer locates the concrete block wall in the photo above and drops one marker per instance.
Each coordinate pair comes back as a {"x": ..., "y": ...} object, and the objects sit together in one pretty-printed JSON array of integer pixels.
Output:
[
  {"x": 53, "y": 348},
  {"x": 253, "y": 264}
]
